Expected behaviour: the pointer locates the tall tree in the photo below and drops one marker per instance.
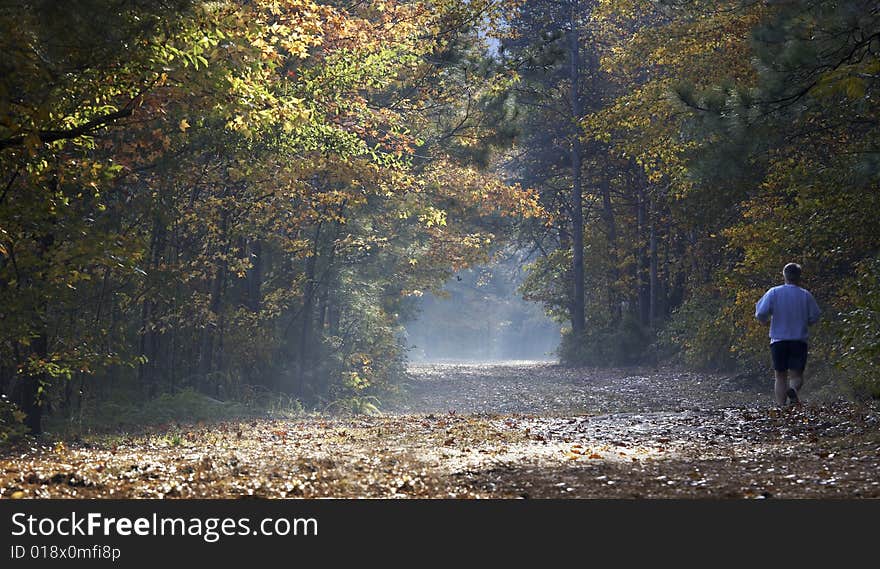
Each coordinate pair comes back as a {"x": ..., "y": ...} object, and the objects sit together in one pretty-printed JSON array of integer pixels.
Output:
[{"x": 226, "y": 195}]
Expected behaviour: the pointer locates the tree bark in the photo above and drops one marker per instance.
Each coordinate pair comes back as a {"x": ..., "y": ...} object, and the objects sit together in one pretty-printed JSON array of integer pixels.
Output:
[
  {"x": 611, "y": 229},
  {"x": 652, "y": 313},
  {"x": 206, "y": 351},
  {"x": 31, "y": 397},
  {"x": 307, "y": 330},
  {"x": 643, "y": 262},
  {"x": 149, "y": 340},
  {"x": 255, "y": 275},
  {"x": 578, "y": 311}
]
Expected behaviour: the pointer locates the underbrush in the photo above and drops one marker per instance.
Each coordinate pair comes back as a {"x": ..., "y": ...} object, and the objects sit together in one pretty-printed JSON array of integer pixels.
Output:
[
  {"x": 125, "y": 410},
  {"x": 185, "y": 406},
  {"x": 354, "y": 405},
  {"x": 11, "y": 426},
  {"x": 620, "y": 344}
]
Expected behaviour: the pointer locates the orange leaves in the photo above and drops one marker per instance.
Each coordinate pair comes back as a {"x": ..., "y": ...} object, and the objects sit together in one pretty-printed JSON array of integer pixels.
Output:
[
  {"x": 485, "y": 192},
  {"x": 271, "y": 134},
  {"x": 578, "y": 451}
]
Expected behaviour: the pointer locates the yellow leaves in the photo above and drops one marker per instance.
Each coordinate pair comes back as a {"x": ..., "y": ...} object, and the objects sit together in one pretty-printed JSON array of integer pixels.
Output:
[
  {"x": 433, "y": 217},
  {"x": 183, "y": 125},
  {"x": 239, "y": 123},
  {"x": 694, "y": 48},
  {"x": 484, "y": 192}
]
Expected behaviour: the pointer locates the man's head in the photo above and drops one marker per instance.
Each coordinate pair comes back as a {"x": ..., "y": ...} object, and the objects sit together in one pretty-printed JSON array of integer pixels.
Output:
[{"x": 792, "y": 273}]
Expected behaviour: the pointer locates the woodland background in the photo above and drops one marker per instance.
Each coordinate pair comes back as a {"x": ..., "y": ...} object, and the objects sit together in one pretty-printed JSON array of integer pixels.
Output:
[{"x": 234, "y": 205}]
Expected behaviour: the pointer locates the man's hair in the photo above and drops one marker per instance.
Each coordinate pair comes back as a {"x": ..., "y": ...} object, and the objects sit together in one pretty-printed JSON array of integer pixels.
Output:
[{"x": 792, "y": 273}]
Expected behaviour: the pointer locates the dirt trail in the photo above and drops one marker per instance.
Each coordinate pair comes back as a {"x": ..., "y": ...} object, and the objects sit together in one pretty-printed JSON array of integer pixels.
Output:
[
  {"x": 550, "y": 390},
  {"x": 520, "y": 429}
]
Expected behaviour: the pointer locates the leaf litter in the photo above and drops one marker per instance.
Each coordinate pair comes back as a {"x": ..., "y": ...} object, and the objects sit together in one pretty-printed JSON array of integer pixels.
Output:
[{"x": 517, "y": 430}]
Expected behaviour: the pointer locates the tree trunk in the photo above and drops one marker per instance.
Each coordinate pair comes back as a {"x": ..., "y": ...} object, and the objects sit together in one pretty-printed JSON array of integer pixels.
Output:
[
  {"x": 6, "y": 375},
  {"x": 255, "y": 275},
  {"x": 206, "y": 351},
  {"x": 578, "y": 315},
  {"x": 611, "y": 229},
  {"x": 642, "y": 264},
  {"x": 652, "y": 313},
  {"x": 31, "y": 400},
  {"x": 331, "y": 284},
  {"x": 149, "y": 340},
  {"x": 31, "y": 396},
  {"x": 307, "y": 330}
]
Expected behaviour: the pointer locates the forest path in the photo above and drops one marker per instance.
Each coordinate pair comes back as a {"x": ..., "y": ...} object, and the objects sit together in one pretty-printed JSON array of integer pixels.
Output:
[
  {"x": 548, "y": 389},
  {"x": 508, "y": 430}
]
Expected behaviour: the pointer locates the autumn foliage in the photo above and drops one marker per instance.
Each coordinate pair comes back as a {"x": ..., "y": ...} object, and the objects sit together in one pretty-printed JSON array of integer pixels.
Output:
[
  {"x": 721, "y": 141},
  {"x": 232, "y": 197}
]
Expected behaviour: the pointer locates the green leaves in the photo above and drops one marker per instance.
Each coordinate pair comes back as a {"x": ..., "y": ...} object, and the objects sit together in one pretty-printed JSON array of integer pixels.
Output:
[{"x": 207, "y": 194}]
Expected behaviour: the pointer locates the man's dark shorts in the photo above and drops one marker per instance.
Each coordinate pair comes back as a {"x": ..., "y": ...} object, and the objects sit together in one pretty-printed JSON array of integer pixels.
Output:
[{"x": 789, "y": 354}]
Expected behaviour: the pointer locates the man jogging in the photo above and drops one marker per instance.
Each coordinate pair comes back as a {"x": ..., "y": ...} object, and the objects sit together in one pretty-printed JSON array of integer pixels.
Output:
[{"x": 790, "y": 310}]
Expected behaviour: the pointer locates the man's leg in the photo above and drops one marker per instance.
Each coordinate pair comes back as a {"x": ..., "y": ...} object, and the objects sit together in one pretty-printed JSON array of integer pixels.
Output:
[
  {"x": 796, "y": 381},
  {"x": 797, "y": 362},
  {"x": 781, "y": 387}
]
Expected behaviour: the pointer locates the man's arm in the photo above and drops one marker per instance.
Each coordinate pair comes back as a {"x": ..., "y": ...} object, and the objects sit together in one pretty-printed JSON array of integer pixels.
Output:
[{"x": 764, "y": 308}]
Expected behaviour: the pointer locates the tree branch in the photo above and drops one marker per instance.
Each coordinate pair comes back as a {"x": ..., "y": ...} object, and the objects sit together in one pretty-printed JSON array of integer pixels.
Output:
[{"x": 48, "y": 136}]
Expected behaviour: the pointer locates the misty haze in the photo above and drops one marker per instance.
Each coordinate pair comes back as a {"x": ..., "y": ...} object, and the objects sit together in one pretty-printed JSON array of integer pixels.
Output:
[
  {"x": 481, "y": 317},
  {"x": 440, "y": 249}
]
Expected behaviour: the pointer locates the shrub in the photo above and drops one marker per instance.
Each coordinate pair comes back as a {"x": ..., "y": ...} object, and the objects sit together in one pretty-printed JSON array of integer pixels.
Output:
[
  {"x": 698, "y": 334},
  {"x": 11, "y": 426},
  {"x": 185, "y": 406},
  {"x": 608, "y": 344},
  {"x": 858, "y": 345}
]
